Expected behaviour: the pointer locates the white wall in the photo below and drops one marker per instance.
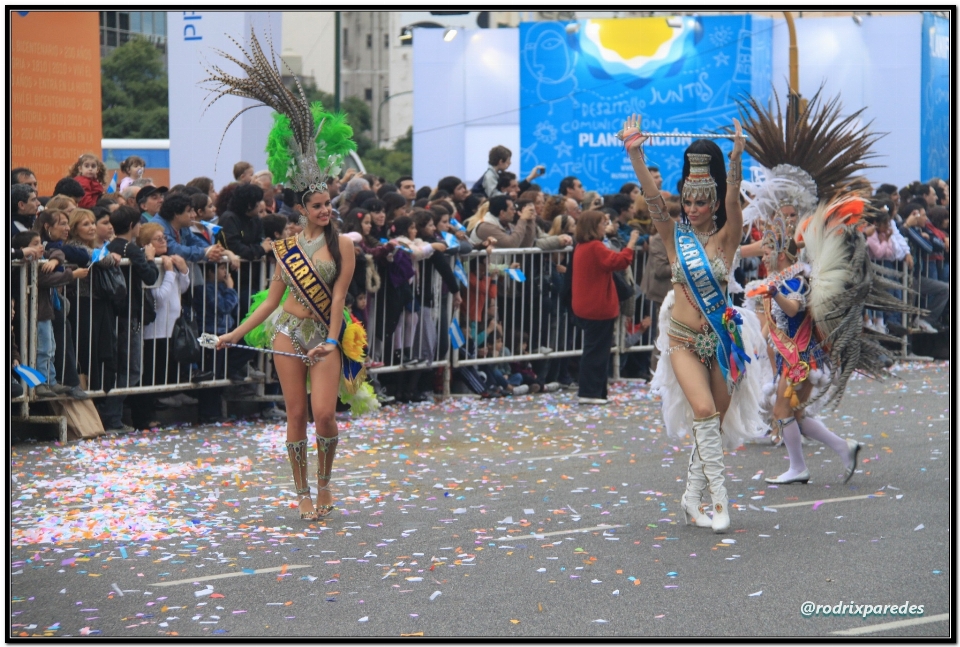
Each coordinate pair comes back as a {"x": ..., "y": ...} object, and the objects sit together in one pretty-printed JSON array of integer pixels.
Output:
[
  {"x": 875, "y": 64},
  {"x": 195, "y": 130},
  {"x": 466, "y": 101}
]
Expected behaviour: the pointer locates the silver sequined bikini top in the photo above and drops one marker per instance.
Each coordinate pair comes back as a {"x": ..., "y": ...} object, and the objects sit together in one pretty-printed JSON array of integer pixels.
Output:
[{"x": 717, "y": 264}]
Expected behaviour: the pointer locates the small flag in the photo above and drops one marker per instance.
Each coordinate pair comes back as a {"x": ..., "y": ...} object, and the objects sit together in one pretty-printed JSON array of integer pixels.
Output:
[
  {"x": 456, "y": 335},
  {"x": 113, "y": 184},
  {"x": 99, "y": 254},
  {"x": 460, "y": 273},
  {"x": 31, "y": 376},
  {"x": 214, "y": 229},
  {"x": 384, "y": 241},
  {"x": 450, "y": 240},
  {"x": 456, "y": 224},
  {"x": 517, "y": 275}
]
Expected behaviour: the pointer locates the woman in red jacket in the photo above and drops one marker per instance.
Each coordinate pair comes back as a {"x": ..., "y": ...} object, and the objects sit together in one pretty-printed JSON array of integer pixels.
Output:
[{"x": 594, "y": 300}]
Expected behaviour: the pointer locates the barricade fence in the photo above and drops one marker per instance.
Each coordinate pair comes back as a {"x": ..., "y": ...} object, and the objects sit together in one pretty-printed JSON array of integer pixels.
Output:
[{"x": 508, "y": 311}]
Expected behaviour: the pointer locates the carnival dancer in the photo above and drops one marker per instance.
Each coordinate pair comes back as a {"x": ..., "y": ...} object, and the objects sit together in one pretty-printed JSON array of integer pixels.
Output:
[
  {"x": 710, "y": 343},
  {"x": 812, "y": 305},
  {"x": 305, "y": 147}
]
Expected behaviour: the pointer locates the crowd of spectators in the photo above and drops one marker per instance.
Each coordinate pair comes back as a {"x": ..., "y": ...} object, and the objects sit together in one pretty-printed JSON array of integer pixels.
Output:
[{"x": 191, "y": 252}]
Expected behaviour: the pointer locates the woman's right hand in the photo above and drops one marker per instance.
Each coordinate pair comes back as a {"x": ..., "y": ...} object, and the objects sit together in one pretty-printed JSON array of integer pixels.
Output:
[
  {"x": 81, "y": 273},
  {"x": 227, "y": 338},
  {"x": 49, "y": 266},
  {"x": 149, "y": 251},
  {"x": 166, "y": 263},
  {"x": 634, "y": 236}
]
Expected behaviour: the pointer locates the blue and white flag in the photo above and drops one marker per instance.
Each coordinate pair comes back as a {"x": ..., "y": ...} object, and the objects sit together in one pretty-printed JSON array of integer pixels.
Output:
[
  {"x": 450, "y": 240},
  {"x": 456, "y": 224},
  {"x": 99, "y": 254},
  {"x": 31, "y": 376},
  {"x": 113, "y": 184},
  {"x": 460, "y": 273},
  {"x": 456, "y": 335},
  {"x": 214, "y": 229},
  {"x": 517, "y": 275}
]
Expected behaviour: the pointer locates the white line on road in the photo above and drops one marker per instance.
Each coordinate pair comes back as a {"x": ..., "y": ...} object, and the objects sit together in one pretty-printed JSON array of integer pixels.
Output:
[
  {"x": 190, "y": 580},
  {"x": 558, "y": 532},
  {"x": 544, "y": 458},
  {"x": 869, "y": 629},
  {"x": 798, "y": 504}
]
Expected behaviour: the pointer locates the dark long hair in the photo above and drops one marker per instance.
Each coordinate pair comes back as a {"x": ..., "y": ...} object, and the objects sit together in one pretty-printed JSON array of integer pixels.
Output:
[
  {"x": 718, "y": 171},
  {"x": 332, "y": 234}
]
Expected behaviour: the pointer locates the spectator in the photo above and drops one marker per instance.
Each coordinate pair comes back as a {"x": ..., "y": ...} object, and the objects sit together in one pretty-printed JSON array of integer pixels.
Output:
[
  {"x": 149, "y": 200},
  {"x": 108, "y": 204},
  {"x": 395, "y": 206},
  {"x": 630, "y": 190},
  {"x": 882, "y": 251},
  {"x": 385, "y": 189},
  {"x": 206, "y": 212},
  {"x": 158, "y": 365},
  {"x": 62, "y": 203},
  {"x": 16, "y": 389},
  {"x": 104, "y": 228},
  {"x": 129, "y": 195},
  {"x": 572, "y": 207},
  {"x": 264, "y": 179},
  {"x": 499, "y": 161},
  {"x": 375, "y": 182},
  {"x": 70, "y": 188},
  {"x": 24, "y": 203},
  {"x": 922, "y": 244},
  {"x": 507, "y": 185},
  {"x": 176, "y": 216},
  {"x": 592, "y": 201},
  {"x": 52, "y": 226},
  {"x": 498, "y": 224},
  {"x": 407, "y": 188},
  {"x": 133, "y": 168},
  {"x": 243, "y": 172},
  {"x": 465, "y": 203},
  {"x": 93, "y": 319},
  {"x": 570, "y": 187},
  {"x": 142, "y": 311},
  {"x": 216, "y": 307},
  {"x": 346, "y": 199},
  {"x": 378, "y": 218},
  {"x": 595, "y": 302},
  {"x": 205, "y": 185},
  {"x": 23, "y": 175},
  {"x": 939, "y": 225},
  {"x": 626, "y": 211},
  {"x": 91, "y": 173},
  {"x": 222, "y": 202},
  {"x": 424, "y": 192}
]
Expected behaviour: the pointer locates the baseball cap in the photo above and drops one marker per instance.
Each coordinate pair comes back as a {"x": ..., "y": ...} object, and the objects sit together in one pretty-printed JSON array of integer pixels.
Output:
[{"x": 147, "y": 191}]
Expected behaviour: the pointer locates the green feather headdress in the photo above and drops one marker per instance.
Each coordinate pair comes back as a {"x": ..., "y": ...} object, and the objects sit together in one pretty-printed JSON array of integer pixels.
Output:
[{"x": 333, "y": 142}]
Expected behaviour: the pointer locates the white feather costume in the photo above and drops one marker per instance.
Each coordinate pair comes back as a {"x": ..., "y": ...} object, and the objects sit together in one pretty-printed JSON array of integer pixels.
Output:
[{"x": 743, "y": 420}]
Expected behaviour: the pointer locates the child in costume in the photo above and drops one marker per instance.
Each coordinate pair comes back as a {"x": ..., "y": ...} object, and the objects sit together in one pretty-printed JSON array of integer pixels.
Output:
[{"x": 305, "y": 147}]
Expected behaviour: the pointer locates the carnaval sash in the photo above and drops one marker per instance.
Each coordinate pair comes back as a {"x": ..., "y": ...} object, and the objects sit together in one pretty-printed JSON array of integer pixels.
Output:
[
  {"x": 711, "y": 299},
  {"x": 305, "y": 278}
]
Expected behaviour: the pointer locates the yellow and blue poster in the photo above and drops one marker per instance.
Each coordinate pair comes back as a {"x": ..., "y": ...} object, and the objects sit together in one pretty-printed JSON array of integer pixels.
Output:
[{"x": 580, "y": 80}]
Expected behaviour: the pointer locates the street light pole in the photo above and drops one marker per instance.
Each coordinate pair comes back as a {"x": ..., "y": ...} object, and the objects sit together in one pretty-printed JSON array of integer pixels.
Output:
[
  {"x": 380, "y": 110},
  {"x": 336, "y": 62}
]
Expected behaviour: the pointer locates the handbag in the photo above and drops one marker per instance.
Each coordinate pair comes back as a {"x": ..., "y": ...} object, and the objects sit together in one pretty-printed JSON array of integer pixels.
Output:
[
  {"x": 110, "y": 287},
  {"x": 186, "y": 346},
  {"x": 624, "y": 291}
]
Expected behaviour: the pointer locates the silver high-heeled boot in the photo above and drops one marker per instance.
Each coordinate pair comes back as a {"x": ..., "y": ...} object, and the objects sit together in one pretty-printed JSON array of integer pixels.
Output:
[
  {"x": 691, "y": 501},
  {"x": 710, "y": 450}
]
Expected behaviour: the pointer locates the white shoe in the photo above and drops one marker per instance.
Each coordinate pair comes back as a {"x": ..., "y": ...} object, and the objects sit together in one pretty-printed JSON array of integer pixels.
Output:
[
  {"x": 591, "y": 400},
  {"x": 924, "y": 326},
  {"x": 545, "y": 350},
  {"x": 169, "y": 402},
  {"x": 853, "y": 447},
  {"x": 185, "y": 400},
  {"x": 802, "y": 477},
  {"x": 254, "y": 374},
  {"x": 880, "y": 327},
  {"x": 693, "y": 509},
  {"x": 869, "y": 325},
  {"x": 520, "y": 390},
  {"x": 550, "y": 387},
  {"x": 274, "y": 412}
]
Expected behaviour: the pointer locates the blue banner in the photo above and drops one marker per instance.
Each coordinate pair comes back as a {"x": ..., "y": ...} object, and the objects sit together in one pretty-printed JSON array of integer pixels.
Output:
[
  {"x": 579, "y": 81},
  {"x": 935, "y": 98}
]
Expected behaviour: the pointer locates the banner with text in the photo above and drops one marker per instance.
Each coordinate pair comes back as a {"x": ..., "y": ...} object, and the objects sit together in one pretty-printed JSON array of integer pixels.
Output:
[
  {"x": 55, "y": 93},
  {"x": 935, "y": 98},
  {"x": 579, "y": 81},
  {"x": 195, "y": 130}
]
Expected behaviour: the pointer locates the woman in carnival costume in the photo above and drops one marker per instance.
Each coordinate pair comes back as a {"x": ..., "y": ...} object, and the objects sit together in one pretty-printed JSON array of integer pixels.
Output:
[
  {"x": 704, "y": 385},
  {"x": 812, "y": 303},
  {"x": 305, "y": 147}
]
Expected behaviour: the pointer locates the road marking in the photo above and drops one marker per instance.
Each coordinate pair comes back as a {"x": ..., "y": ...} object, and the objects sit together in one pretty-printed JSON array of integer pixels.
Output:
[
  {"x": 545, "y": 458},
  {"x": 869, "y": 629},
  {"x": 799, "y": 504},
  {"x": 237, "y": 574},
  {"x": 558, "y": 532}
]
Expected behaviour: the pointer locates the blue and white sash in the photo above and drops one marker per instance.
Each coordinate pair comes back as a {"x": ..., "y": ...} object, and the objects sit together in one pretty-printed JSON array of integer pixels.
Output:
[{"x": 712, "y": 301}]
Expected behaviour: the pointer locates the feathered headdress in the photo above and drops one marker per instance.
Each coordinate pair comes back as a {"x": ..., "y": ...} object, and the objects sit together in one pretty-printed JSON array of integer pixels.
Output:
[
  {"x": 306, "y": 144},
  {"x": 820, "y": 152}
]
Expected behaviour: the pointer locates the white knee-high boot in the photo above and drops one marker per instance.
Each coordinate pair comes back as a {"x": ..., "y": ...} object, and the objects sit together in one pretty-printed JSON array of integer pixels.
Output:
[
  {"x": 710, "y": 450},
  {"x": 696, "y": 484}
]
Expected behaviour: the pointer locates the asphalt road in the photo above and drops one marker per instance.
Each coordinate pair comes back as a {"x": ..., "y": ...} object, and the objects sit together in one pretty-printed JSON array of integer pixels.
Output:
[{"x": 527, "y": 516}]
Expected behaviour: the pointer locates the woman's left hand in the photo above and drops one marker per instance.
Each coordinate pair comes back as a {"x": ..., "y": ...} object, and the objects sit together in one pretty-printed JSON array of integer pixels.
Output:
[
  {"x": 320, "y": 352},
  {"x": 738, "y": 140}
]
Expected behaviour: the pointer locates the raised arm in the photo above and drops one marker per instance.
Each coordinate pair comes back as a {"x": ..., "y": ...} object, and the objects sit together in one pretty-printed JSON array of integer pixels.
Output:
[
  {"x": 732, "y": 231},
  {"x": 633, "y": 139}
]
